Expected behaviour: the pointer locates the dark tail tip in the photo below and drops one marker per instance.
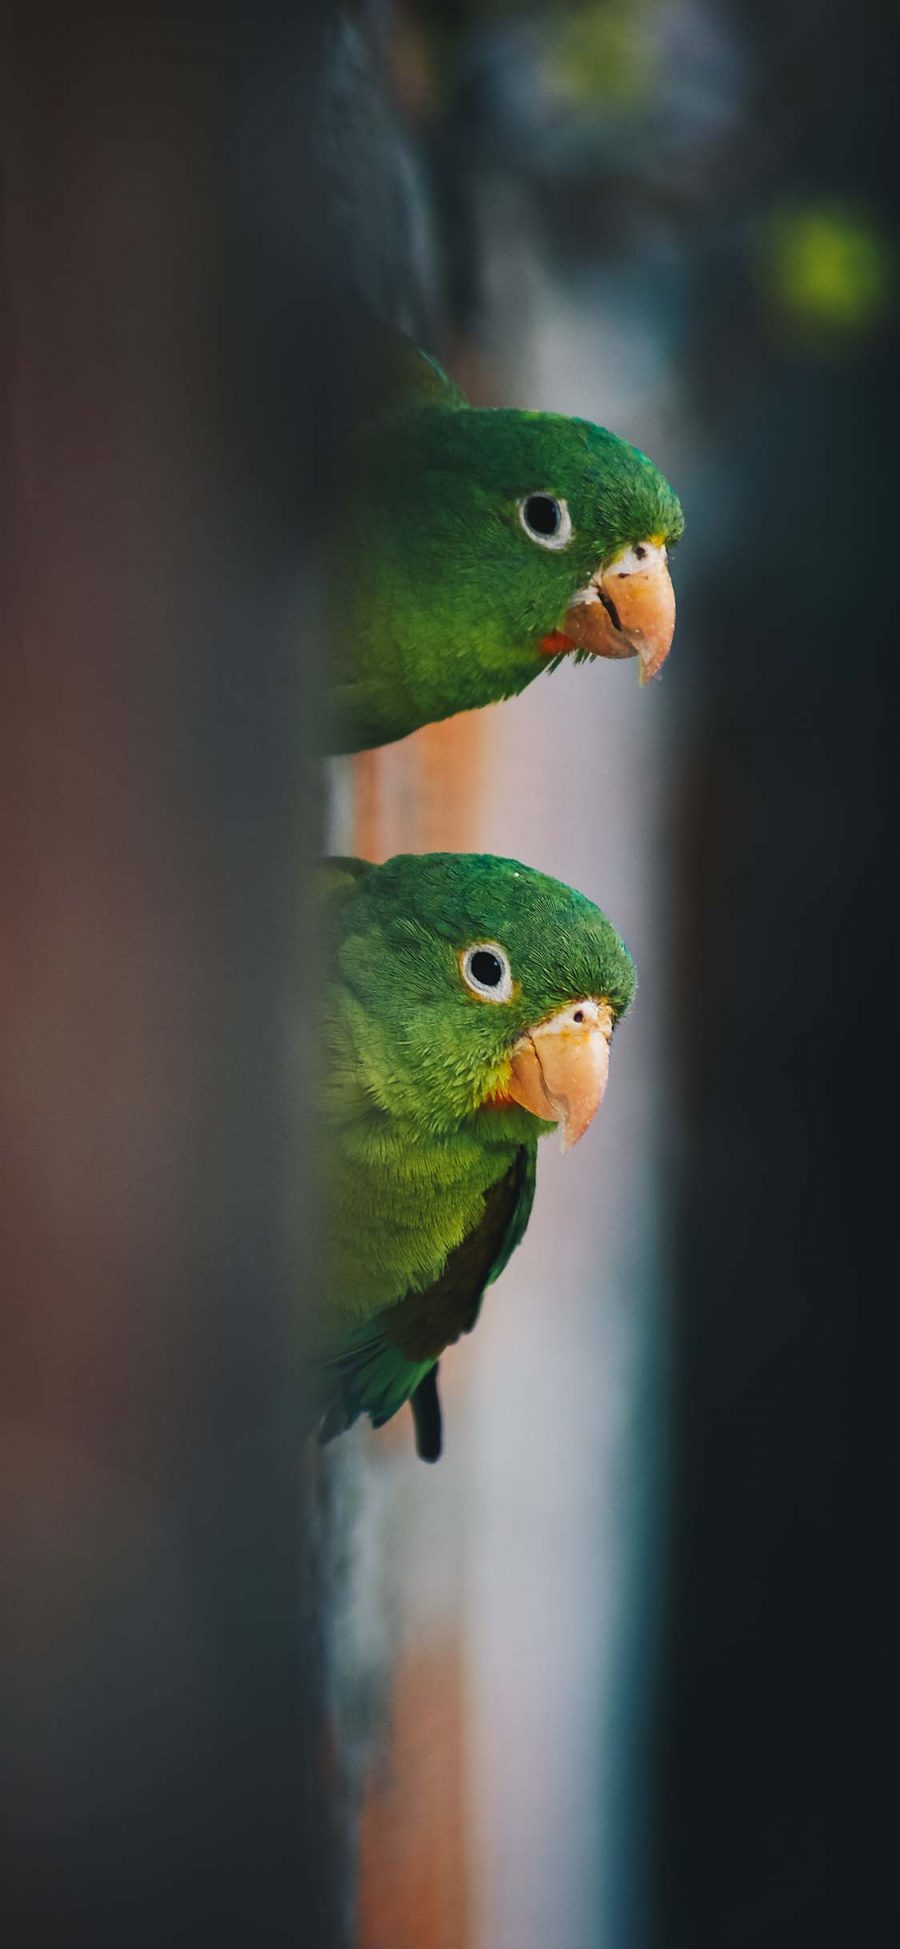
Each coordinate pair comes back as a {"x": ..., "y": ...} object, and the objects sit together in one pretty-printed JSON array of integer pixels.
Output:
[{"x": 426, "y": 1407}]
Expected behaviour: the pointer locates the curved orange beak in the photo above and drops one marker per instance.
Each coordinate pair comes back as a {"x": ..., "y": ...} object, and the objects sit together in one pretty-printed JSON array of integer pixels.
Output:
[
  {"x": 560, "y": 1068},
  {"x": 627, "y": 609}
]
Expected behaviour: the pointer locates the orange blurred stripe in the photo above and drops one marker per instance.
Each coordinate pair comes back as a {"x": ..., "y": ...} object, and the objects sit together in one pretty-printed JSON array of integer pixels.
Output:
[
  {"x": 414, "y": 1879},
  {"x": 420, "y": 795}
]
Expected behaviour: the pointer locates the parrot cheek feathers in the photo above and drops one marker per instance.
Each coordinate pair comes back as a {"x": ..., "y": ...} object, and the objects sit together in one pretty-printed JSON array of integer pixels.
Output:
[{"x": 556, "y": 644}]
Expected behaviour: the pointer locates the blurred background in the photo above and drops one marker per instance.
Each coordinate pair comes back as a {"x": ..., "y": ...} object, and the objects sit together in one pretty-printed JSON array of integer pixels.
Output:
[{"x": 620, "y": 1672}]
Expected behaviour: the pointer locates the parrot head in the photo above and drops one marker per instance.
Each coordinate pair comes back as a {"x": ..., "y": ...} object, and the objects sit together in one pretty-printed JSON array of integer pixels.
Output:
[
  {"x": 497, "y": 541},
  {"x": 473, "y": 988}
]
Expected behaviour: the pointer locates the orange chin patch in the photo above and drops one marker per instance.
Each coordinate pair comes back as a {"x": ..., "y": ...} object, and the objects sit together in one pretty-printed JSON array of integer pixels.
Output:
[{"x": 556, "y": 644}]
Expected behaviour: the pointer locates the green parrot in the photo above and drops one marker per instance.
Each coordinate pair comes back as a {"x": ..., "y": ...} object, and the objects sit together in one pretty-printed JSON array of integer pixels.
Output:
[
  {"x": 481, "y": 546},
  {"x": 470, "y": 1007}
]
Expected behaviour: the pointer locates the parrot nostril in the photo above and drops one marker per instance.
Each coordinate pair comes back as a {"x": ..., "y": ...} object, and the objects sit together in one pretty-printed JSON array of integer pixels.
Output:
[
  {"x": 578, "y": 1015},
  {"x": 640, "y": 551}
]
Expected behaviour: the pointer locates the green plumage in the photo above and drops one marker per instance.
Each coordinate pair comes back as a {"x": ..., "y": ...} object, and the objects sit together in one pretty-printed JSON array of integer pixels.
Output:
[
  {"x": 430, "y": 1182},
  {"x": 440, "y": 600}
]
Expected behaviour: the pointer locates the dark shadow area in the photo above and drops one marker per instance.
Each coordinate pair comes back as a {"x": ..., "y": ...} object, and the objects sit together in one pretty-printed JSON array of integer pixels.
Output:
[
  {"x": 171, "y": 400},
  {"x": 780, "y": 1687}
]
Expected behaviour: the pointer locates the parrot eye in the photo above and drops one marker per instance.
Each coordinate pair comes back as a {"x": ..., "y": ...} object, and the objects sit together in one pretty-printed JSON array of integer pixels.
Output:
[
  {"x": 546, "y": 520},
  {"x": 487, "y": 972}
]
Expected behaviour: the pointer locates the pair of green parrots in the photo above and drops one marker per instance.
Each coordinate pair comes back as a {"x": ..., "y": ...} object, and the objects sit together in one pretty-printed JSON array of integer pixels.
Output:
[{"x": 471, "y": 1000}]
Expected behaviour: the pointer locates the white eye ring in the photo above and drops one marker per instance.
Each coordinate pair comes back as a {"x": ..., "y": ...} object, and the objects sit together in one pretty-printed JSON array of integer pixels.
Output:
[
  {"x": 473, "y": 973},
  {"x": 561, "y": 535}
]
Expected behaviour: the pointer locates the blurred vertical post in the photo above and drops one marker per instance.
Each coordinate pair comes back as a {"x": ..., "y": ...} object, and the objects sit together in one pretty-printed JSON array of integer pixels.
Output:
[
  {"x": 779, "y": 1701},
  {"x": 166, "y": 392}
]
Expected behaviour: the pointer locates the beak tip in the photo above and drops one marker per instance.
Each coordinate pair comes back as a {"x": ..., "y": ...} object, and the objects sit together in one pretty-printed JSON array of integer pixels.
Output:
[
  {"x": 571, "y": 1133},
  {"x": 650, "y": 664}
]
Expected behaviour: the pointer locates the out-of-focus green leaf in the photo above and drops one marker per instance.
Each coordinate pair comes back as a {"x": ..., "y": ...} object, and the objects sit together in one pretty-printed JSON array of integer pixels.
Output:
[
  {"x": 827, "y": 271},
  {"x": 606, "y": 51}
]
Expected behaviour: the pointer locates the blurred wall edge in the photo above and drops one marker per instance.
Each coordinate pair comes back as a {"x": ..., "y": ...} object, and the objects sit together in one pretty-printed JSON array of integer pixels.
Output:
[
  {"x": 780, "y": 1690},
  {"x": 166, "y": 388}
]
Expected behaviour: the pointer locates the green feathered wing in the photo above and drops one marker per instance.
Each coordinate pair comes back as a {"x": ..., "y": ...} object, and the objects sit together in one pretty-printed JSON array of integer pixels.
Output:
[{"x": 394, "y": 1359}]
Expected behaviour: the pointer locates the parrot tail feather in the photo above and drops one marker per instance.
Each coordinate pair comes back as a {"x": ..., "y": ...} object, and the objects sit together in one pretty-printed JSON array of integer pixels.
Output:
[
  {"x": 426, "y": 1408},
  {"x": 374, "y": 1379}
]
